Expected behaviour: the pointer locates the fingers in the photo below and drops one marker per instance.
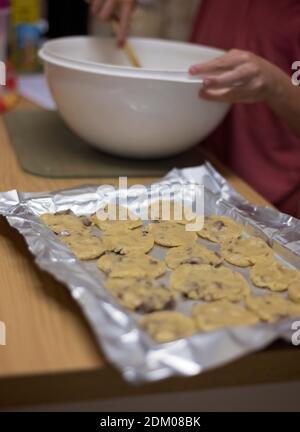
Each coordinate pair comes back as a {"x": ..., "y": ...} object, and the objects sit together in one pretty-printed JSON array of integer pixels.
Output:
[
  {"x": 96, "y": 6},
  {"x": 103, "y": 9},
  {"x": 238, "y": 77},
  {"x": 125, "y": 16},
  {"x": 247, "y": 94},
  {"x": 223, "y": 95},
  {"x": 107, "y": 10},
  {"x": 227, "y": 61}
]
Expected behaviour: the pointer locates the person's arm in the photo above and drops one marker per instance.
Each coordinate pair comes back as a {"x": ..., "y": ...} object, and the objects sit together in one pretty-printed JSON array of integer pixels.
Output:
[
  {"x": 240, "y": 76},
  {"x": 106, "y": 9},
  {"x": 285, "y": 102}
]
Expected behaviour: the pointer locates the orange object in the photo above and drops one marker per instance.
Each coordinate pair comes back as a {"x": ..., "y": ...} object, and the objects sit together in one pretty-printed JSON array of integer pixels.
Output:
[{"x": 8, "y": 101}]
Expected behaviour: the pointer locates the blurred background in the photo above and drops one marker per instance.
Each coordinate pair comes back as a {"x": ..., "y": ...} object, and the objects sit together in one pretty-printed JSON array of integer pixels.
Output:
[
  {"x": 26, "y": 24},
  {"x": 167, "y": 19}
]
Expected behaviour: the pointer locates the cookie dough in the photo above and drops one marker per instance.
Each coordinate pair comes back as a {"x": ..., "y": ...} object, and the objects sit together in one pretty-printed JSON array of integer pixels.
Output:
[
  {"x": 115, "y": 224},
  {"x": 221, "y": 314},
  {"x": 85, "y": 246},
  {"x": 131, "y": 266},
  {"x": 171, "y": 211},
  {"x": 142, "y": 295},
  {"x": 274, "y": 276},
  {"x": 171, "y": 234},
  {"x": 64, "y": 223},
  {"x": 128, "y": 242},
  {"x": 167, "y": 326},
  {"x": 244, "y": 252},
  {"x": 294, "y": 292},
  {"x": 272, "y": 307},
  {"x": 192, "y": 254},
  {"x": 220, "y": 228},
  {"x": 204, "y": 282}
]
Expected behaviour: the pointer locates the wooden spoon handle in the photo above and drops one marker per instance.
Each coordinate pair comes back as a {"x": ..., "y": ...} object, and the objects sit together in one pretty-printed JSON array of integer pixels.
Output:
[{"x": 127, "y": 47}]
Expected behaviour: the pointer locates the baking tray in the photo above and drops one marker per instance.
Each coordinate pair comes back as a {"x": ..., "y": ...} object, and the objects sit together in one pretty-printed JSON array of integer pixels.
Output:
[{"x": 126, "y": 346}]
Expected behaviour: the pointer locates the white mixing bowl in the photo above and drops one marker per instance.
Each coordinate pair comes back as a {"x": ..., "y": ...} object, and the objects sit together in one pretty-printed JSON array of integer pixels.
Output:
[{"x": 141, "y": 113}]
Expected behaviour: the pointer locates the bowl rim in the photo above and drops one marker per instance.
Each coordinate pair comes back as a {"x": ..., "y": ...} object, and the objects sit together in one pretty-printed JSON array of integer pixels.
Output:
[{"x": 171, "y": 75}]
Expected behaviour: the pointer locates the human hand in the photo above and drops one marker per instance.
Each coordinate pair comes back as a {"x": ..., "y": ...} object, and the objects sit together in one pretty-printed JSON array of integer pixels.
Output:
[
  {"x": 106, "y": 9},
  {"x": 238, "y": 76}
]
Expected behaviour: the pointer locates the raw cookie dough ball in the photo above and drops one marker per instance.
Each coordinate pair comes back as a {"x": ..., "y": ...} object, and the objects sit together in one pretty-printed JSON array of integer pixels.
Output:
[
  {"x": 171, "y": 234},
  {"x": 114, "y": 224},
  {"x": 272, "y": 307},
  {"x": 64, "y": 223},
  {"x": 164, "y": 210},
  {"x": 221, "y": 314},
  {"x": 204, "y": 282},
  {"x": 131, "y": 266},
  {"x": 294, "y": 292},
  {"x": 85, "y": 246},
  {"x": 220, "y": 228},
  {"x": 167, "y": 326},
  {"x": 142, "y": 295},
  {"x": 192, "y": 254},
  {"x": 274, "y": 276},
  {"x": 246, "y": 252},
  {"x": 136, "y": 241}
]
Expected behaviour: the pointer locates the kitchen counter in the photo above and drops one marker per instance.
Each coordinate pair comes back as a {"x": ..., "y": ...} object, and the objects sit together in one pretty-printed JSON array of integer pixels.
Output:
[{"x": 51, "y": 354}]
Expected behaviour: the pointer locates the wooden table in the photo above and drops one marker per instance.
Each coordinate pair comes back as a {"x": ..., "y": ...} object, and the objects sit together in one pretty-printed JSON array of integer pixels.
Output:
[{"x": 51, "y": 354}]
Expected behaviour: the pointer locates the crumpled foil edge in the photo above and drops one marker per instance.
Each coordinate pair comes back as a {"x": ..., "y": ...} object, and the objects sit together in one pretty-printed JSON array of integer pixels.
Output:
[{"x": 128, "y": 348}]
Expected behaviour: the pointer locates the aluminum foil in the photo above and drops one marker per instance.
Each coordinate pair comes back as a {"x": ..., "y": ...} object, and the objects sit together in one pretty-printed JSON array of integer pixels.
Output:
[{"x": 126, "y": 346}]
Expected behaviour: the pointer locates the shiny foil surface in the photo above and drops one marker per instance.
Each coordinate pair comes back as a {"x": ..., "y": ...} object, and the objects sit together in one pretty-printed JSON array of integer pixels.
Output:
[{"x": 125, "y": 345}]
